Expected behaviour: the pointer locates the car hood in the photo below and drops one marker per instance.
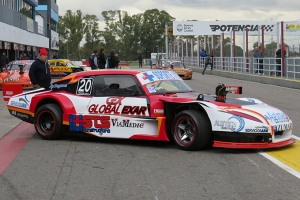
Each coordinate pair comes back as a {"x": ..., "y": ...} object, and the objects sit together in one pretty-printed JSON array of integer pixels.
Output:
[{"x": 238, "y": 106}]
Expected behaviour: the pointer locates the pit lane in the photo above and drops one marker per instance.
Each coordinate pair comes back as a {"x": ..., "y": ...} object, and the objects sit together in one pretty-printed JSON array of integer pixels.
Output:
[{"x": 87, "y": 168}]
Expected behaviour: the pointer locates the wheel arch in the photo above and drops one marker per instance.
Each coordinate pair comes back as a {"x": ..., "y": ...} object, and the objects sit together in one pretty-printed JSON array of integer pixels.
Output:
[
  {"x": 48, "y": 101},
  {"x": 172, "y": 109}
]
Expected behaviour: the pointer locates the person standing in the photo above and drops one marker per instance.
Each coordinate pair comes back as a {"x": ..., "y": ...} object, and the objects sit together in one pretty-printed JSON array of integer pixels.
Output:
[
  {"x": 25, "y": 57},
  {"x": 150, "y": 63},
  {"x": 117, "y": 61},
  {"x": 203, "y": 55},
  {"x": 55, "y": 55},
  {"x": 140, "y": 58},
  {"x": 207, "y": 62},
  {"x": 278, "y": 60},
  {"x": 258, "y": 54},
  {"x": 39, "y": 72},
  {"x": 93, "y": 60},
  {"x": 111, "y": 59},
  {"x": 101, "y": 59},
  {"x": 4, "y": 62}
]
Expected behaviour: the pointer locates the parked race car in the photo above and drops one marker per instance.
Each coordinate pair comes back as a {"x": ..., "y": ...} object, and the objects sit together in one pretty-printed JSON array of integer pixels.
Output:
[
  {"x": 151, "y": 105},
  {"x": 64, "y": 67},
  {"x": 178, "y": 67},
  {"x": 17, "y": 73}
]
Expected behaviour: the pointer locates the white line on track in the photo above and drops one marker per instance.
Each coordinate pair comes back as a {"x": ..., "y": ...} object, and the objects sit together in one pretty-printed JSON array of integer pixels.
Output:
[{"x": 281, "y": 164}]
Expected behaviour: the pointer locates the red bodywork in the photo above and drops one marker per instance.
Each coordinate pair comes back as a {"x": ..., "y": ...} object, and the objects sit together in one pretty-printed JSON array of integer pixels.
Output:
[
  {"x": 12, "y": 76},
  {"x": 156, "y": 111}
]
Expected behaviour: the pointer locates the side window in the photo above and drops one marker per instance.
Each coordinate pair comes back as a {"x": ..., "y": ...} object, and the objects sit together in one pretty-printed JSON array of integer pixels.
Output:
[
  {"x": 117, "y": 85},
  {"x": 52, "y": 64}
]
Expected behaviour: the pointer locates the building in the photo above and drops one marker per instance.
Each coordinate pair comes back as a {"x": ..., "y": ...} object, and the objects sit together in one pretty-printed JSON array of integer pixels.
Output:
[
  {"x": 24, "y": 29},
  {"x": 48, "y": 10}
]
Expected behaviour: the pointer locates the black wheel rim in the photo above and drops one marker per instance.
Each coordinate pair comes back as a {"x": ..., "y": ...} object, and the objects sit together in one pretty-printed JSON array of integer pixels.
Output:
[
  {"x": 185, "y": 131},
  {"x": 46, "y": 122}
]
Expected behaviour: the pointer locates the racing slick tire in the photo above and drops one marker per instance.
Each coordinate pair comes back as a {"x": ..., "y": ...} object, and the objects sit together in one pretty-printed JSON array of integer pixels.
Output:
[
  {"x": 191, "y": 130},
  {"x": 48, "y": 122}
]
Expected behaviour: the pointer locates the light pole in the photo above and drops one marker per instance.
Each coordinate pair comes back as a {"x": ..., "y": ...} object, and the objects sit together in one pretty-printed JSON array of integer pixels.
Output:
[{"x": 67, "y": 32}]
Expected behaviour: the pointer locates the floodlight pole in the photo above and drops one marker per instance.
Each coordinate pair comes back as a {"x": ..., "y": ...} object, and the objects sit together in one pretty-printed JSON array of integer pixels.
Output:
[{"x": 167, "y": 43}]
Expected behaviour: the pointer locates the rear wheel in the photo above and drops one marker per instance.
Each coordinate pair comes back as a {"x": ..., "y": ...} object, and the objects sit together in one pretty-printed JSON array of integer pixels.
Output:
[
  {"x": 191, "y": 130},
  {"x": 48, "y": 122}
]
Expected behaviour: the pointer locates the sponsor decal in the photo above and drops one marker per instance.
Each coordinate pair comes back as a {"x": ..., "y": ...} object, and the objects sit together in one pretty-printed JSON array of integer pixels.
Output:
[
  {"x": 277, "y": 117},
  {"x": 148, "y": 77},
  {"x": 60, "y": 69},
  {"x": 157, "y": 75},
  {"x": 158, "y": 111},
  {"x": 126, "y": 123},
  {"x": 251, "y": 100},
  {"x": 25, "y": 100},
  {"x": 58, "y": 73},
  {"x": 179, "y": 71},
  {"x": 179, "y": 27},
  {"x": 185, "y": 27},
  {"x": 257, "y": 130},
  {"x": 20, "y": 115},
  {"x": 151, "y": 89},
  {"x": 18, "y": 104},
  {"x": 85, "y": 86},
  {"x": 234, "y": 123},
  {"x": 11, "y": 79},
  {"x": 90, "y": 123},
  {"x": 226, "y": 28},
  {"x": 58, "y": 86},
  {"x": 283, "y": 127},
  {"x": 113, "y": 106},
  {"x": 292, "y": 27}
]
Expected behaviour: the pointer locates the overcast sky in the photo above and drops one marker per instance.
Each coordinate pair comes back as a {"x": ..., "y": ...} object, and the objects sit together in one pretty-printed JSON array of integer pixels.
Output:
[
  {"x": 208, "y": 10},
  {"x": 183, "y": 10}
]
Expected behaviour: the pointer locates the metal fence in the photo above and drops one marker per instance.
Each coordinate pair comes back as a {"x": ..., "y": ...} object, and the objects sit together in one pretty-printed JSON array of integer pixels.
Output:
[{"x": 270, "y": 66}]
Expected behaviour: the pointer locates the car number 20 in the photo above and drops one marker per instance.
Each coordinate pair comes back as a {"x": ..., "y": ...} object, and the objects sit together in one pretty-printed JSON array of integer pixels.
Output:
[{"x": 85, "y": 86}]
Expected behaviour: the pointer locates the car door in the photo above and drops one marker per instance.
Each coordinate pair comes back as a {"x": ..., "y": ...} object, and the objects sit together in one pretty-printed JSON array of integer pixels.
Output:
[{"x": 121, "y": 100}]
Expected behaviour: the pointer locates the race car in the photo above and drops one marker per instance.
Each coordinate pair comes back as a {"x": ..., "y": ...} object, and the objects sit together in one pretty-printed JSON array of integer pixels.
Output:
[
  {"x": 180, "y": 69},
  {"x": 63, "y": 67},
  {"x": 17, "y": 73},
  {"x": 151, "y": 105},
  {"x": 176, "y": 66}
]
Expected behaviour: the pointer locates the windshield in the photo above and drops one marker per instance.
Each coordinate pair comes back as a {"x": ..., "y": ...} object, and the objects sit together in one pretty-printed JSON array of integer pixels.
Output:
[
  {"x": 165, "y": 63},
  {"x": 15, "y": 65},
  {"x": 70, "y": 64},
  {"x": 168, "y": 86}
]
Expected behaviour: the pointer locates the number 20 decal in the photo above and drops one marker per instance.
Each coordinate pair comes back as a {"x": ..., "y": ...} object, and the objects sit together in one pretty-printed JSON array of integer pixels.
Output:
[{"x": 85, "y": 86}]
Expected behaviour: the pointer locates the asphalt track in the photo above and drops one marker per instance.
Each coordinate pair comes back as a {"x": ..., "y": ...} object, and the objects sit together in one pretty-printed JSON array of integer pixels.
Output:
[{"x": 82, "y": 167}]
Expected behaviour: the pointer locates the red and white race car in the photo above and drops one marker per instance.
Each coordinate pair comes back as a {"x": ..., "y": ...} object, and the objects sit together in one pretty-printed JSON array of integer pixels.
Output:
[{"x": 151, "y": 105}]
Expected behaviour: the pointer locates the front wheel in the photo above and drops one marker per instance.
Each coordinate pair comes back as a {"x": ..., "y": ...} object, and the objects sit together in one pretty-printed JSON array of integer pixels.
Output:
[
  {"x": 48, "y": 122},
  {"x": 191, "y": 130}
]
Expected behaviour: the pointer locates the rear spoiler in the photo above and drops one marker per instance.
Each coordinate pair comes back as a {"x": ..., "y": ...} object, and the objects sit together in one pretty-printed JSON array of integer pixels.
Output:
[{"x": 233, "y": 89}]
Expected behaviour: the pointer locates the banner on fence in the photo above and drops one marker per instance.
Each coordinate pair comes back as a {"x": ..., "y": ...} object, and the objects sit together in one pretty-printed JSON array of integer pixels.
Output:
[{"x": 218, "y": 27}]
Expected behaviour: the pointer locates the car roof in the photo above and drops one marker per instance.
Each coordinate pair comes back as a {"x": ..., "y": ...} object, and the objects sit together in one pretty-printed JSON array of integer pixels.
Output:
[
  {"x": 21, "y": 61},
  {"x": 51, "y": 60}
]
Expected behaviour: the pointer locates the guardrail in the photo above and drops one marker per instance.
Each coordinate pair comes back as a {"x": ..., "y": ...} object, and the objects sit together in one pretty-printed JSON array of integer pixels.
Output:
[{"x": 271, "y": 66}]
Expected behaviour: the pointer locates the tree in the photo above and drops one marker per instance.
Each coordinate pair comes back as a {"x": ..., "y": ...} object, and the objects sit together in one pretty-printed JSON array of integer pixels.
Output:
[
  {"x": 92, "y": 34},
  {"x": 137, "y": 34},
  {"x": 71, "y": 31},
  {"x": 227, "y": 49}
]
